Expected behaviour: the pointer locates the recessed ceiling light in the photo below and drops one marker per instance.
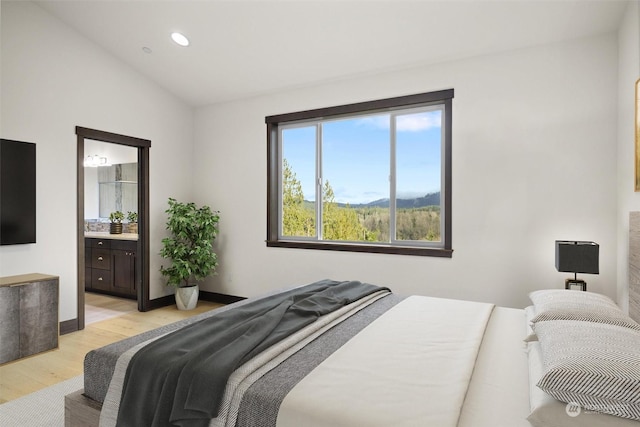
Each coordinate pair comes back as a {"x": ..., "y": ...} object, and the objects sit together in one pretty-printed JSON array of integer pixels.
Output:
[{"x": 180, "y": 39}]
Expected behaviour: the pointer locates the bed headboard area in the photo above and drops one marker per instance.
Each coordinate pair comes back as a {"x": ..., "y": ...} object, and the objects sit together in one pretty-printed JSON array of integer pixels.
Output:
[{"x": 634, "y": 265}]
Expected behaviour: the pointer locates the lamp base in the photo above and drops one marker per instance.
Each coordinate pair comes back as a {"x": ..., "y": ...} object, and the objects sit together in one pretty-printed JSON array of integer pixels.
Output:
[{"x": 570, "y": 283}]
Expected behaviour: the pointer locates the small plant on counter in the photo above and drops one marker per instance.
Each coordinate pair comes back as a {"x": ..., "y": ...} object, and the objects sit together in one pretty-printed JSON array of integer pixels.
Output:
[
  {"x": 116, "y": 217},
  {"x": 132, "y": 217},
  {"x": 116, "y": 222},
  {"x": 132, "y": 227}
]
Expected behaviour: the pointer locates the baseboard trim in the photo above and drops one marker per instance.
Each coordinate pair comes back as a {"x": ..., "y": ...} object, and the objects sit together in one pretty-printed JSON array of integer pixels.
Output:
[
  {"x": 202, "y": 295},
  {"x": 219, "y": 298},
  {"x": 161, "y": 302},
  {"x": 68, "y": 326}
]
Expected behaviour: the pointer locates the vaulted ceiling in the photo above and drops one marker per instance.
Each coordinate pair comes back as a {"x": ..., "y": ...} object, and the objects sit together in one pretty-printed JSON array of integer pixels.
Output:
[{"x": 239, "y": 49}]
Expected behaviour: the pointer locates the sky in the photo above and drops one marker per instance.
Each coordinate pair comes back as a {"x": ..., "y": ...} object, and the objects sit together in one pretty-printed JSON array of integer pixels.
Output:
[{"x": 356, "y": 156}]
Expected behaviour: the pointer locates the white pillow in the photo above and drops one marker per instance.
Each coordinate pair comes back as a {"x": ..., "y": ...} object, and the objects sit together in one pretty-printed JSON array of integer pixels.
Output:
[
  {"x": 558, "y": 304},
  {"x": 529, "y": 314},
  {"x": 595, "y": 365}
]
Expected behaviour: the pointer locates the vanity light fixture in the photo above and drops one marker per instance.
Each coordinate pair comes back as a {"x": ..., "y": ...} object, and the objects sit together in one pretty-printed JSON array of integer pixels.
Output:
[
  {"x": 180, "y": 39},
  {"x": 95, "y": 161}
]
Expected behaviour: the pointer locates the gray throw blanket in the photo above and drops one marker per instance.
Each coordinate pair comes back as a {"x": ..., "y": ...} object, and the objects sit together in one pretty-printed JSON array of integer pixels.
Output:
[{"x": 180, "y": 379}]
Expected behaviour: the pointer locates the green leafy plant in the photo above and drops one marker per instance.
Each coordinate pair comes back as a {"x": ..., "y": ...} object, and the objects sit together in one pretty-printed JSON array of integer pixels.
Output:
[
  {"x": 190, "y": 245},
  {"x": 132, "y": 217},
  {"x": 116, "y": 217}
]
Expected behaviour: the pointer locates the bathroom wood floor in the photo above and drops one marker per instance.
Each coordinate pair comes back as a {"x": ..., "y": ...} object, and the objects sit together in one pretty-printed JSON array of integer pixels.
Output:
[{"x": 25, "y": 376}]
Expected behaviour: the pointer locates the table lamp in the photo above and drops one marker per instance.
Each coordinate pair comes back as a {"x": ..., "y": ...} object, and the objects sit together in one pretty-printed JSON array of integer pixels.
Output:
[{"x": 575, "y": 257}]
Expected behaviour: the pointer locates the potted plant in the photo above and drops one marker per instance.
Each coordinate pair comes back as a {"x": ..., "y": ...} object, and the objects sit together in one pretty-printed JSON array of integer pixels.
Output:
[
  {"x": 132, "y": 217},
  {"x": 190, "y": 249},
  {"x": 116, "y": 222}
]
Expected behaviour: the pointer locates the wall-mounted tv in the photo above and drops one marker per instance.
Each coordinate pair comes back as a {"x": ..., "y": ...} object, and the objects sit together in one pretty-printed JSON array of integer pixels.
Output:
[{"x": 17, "y": 192}]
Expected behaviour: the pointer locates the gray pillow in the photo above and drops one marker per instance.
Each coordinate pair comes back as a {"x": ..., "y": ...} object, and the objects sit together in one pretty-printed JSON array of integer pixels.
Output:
[
  {"x": 595, "y": 365},
  {"x": 549, "y": 412}
]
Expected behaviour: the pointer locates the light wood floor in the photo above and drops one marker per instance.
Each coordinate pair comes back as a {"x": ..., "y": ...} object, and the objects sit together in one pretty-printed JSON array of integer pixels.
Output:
[
  {"x": 27, "y": 375},
  {"x": 98, "y": 307}
]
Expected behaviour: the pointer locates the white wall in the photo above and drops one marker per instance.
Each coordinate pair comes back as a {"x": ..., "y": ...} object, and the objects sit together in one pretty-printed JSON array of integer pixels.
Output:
[
  {"x": 628, "y": 199},
  {"x": 53, "y": 80},
  {"x": 534, "y": 160}
]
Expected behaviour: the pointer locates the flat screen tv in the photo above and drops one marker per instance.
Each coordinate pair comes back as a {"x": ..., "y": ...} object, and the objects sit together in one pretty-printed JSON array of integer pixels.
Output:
[{"x": 17, "y": 192}]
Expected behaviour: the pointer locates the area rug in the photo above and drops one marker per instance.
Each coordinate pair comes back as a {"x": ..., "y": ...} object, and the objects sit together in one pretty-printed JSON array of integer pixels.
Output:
[{"x": 39, "y": 409}]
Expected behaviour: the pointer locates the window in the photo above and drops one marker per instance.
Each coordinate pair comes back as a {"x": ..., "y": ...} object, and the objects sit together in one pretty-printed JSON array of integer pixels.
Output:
[{"x": 367, "y": 177}]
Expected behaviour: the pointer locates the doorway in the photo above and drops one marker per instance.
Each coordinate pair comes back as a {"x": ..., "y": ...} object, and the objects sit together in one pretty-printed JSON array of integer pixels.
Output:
[{"x": 142, "y": 254}]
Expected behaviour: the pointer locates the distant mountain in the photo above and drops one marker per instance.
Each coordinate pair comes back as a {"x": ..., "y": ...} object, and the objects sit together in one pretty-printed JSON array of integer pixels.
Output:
[{"x": 431, "y": 199}]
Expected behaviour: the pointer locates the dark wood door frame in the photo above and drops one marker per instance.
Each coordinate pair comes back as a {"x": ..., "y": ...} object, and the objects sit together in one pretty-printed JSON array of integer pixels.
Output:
[{"x": 142, "y": 256}]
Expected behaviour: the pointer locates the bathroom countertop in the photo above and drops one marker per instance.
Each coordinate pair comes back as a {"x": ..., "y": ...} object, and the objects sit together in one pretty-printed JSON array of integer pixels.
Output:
[{"x": 107, "y": 235}]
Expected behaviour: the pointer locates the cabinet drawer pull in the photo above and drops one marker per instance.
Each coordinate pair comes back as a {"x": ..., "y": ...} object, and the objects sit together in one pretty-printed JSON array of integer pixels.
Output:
[
  {"x": 100, "y": 243},
  {"x": 99, "y": 279},
  {"x": 99, "y": 258}
]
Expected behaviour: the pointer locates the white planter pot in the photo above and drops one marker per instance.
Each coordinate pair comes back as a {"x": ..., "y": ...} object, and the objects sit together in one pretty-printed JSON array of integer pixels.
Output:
[{"x": 187, "y": 298}]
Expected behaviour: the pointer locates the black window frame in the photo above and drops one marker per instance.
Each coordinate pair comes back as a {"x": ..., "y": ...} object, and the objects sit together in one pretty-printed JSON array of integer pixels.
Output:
[{"x": 442, "y": 97}]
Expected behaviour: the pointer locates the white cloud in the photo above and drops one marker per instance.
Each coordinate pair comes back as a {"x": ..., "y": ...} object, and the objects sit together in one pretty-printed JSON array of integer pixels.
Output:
[
  {"x": 407, "y": 123},
  {"x": 418, "y": 122},
  {"x": 376, "y": 122}
]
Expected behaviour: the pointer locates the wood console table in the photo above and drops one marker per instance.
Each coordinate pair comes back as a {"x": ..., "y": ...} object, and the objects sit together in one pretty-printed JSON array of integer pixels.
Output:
[{"x": 28, "y": 315}]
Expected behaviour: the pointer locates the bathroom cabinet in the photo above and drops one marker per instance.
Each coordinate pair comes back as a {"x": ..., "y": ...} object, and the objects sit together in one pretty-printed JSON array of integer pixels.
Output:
[{"x": 110, "y": 266}]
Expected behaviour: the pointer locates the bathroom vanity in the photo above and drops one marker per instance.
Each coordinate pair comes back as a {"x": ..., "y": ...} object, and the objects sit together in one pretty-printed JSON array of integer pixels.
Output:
[{"x": 110, "y": 263}]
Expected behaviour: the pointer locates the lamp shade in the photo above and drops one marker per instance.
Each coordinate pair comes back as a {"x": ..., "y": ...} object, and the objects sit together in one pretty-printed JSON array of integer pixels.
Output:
[{"x": 577, "y": 257}]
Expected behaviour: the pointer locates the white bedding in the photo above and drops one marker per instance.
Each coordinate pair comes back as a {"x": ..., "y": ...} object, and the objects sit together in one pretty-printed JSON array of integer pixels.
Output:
[
  {"x": 410, "y": 367},
  {"x": 498, "y": 394}
]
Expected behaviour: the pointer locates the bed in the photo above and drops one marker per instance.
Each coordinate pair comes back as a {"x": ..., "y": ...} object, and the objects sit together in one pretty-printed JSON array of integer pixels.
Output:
[{"x": 382, "y": 359}]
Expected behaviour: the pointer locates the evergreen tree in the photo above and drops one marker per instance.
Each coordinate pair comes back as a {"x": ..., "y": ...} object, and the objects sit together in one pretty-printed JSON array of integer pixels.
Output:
[
  {"x": 341, "y": 223},
  {"x": 297, "y": 220}
]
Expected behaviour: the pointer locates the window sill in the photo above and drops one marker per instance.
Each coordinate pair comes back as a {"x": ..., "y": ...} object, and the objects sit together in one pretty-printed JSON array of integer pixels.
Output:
[{"x": 352, "y": 247}]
